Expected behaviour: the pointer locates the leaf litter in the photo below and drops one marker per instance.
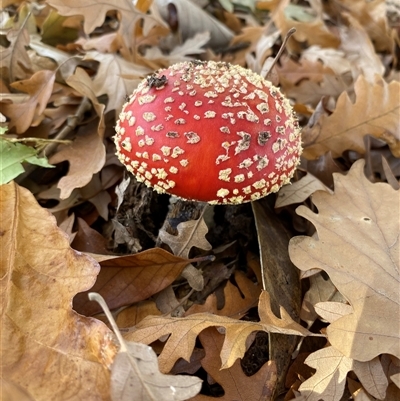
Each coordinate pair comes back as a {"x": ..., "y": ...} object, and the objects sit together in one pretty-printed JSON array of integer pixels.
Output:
[{"x": 182, "y": 278}]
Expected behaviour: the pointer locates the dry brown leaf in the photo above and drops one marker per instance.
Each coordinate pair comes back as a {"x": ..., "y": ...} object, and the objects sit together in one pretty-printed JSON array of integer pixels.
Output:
[
  {"x": 360, "y": 50},
  {"x": 236, "y": 385},
  {"x": 135, "y": 375},
  {"x": 238, "y": 300},
  {"x": 311, "y": 92},
  {"x": 46, "y": 55},
  {"x": 81, "y": 82},
  {"x": 334, "y": 59},
  {"x": 86, "y": 156},
  {"x": 357, "y": 391},
  {"x": 248, "y": 39},
  {"x": 190, "y": 233},
  {"x": 15, "y": 57},
  {"x": 13, "y": 392},
  {"x": 128, "y": 279},
  {"x": 89, "y": 240},
  {"x": 373, "y": 17},
  {"x": 375, "y": 112},
  {"x": 129, "y": 317},
  {"x": 180, "y": 53},
  {"x": 192, "y": 19},
  {"x": 300, "y": 190},
  {"x": 115, "y": 77},
  {"x": 332, "y": 367},
  {"x": 357, "y": 245},
  {"x": 320, "y": 290},
  {"x": 47, "y": 349},
  {"x": 23, "y": 115},
  {"x": 292, "y": 72},
  {"x": 184, "y": 331},
  {"x": 313, "y": 32},
  {"x": 129, "y": 13}
]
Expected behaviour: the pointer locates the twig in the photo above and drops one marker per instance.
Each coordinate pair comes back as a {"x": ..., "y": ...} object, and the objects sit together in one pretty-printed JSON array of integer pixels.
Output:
[{"x": 290, "y": 32}]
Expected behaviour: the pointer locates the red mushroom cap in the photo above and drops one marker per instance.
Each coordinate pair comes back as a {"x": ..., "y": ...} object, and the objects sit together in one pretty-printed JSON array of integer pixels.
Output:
[{"x": 209, "y": 131}]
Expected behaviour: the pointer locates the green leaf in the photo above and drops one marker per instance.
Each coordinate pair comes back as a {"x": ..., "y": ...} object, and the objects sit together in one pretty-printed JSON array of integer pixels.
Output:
[
  {"x": 299, "y": 13},
  {"x": 12, "y": 155}
]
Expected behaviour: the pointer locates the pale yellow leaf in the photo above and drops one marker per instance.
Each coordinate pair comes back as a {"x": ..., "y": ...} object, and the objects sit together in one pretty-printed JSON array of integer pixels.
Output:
[
  {"x": 300, "y": 190},
  {"x": 331, "y": 311},
  {"x": 357, "y": 244},
  {"x": 183, "y": 332},
  {"x": 374, "y": 112},
  {"x": 329, "y": 380}
]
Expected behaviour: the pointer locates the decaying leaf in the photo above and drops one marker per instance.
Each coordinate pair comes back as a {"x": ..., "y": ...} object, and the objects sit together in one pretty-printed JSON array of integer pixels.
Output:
[
  {"x": 192, "y": 19},
  {"x": 86, "y": 8},
  {"x": 375, "y": 112},
  {"x": 236, "y": 385},
  {"x": 22, "y": 115},
  {"x": 15, "y": 57},
  {"x": 128, "y": 279},
  {"x": 321, "y": 289},
  {"x": 238, "y": 300},
  {"x": 84, "y": 85},
  {"x": 135, "y": 375},
  {"x": 358, "y": 247},
  {"x": 310, "y": 28},
  {"x": 115, "y": 77},
  {"x": 179, "y": 53},
  {"x": 45, "y": 345},
  {"x": 183, "y": 332},
  {"x": 86, "y": 156},
  {"x": 190, "y": 233}
]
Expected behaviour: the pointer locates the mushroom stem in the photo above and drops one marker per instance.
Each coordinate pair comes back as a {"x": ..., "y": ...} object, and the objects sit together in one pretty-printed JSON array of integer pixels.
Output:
[{"x": 289, "y": 33}]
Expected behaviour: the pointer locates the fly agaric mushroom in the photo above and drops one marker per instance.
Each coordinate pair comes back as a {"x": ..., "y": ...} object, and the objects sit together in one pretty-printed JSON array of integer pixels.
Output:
[{"x": 209, "y": 131}]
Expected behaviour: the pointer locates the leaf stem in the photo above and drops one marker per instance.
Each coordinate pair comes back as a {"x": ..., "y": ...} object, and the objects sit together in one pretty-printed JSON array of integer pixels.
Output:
[{"x": 94, "y": 296}]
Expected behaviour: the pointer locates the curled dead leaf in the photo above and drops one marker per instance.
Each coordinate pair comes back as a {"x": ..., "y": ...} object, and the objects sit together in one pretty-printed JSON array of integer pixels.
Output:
[{"x": 47, "y": 349}]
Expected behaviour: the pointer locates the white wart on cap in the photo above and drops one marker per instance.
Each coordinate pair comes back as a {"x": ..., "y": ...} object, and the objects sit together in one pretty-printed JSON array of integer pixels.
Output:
[{"x": 209, "y": 131}]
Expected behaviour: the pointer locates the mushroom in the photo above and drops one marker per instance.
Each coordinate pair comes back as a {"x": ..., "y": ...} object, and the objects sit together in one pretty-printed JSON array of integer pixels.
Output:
[{"x": 209, "y": 131}]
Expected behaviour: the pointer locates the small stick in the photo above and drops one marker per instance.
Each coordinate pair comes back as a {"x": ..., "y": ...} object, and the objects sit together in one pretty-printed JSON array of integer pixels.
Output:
[{"x": 289, "y": 33}]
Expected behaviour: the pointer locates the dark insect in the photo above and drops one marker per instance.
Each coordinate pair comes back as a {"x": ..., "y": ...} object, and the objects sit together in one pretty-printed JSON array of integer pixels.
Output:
[{"x": 156, "y": 82}]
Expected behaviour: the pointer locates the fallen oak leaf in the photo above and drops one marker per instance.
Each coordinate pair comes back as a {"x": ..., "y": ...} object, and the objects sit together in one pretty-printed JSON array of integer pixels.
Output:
[
  {"x": 374, "y": 112},
  {"x": 22, "y": 115},
  {"x": 129, "y": 279},
  {"x": 47, "y": 349},
  {"x": 190, "y": 233},
  {"x": 135, "y": 375},
  {"x": 236, "y": 385},
  {"x": 15, "y": 57},
  {"x": 92, "y": 20},
  {"x": 86, "y": 156},
  {"x": 332, "y": 367},
  {"x": 238, "y": 299},
  {"x": 82, "y": 83},
  {"x": 357, "y": 245},
  {"x": 183, "y": 332},
  {"x": 300, "y": 190},
  {"x": 115, "y": 77}
]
